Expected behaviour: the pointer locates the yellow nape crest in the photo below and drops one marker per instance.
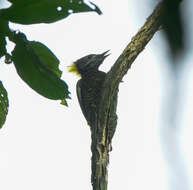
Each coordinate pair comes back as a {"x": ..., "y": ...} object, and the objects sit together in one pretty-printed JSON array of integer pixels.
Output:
[{"x": 73, "y": 69}]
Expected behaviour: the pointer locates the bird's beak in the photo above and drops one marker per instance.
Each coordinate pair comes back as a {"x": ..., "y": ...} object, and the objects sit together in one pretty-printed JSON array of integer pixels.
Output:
[
  {"x": 101, "y": 57},
  {"x": 105, "y": 54}
]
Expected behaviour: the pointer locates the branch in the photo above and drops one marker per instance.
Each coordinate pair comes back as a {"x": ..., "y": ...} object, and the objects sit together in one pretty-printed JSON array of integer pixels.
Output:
[
  {"x": 124, "y": 62},
  {"x": 134, "y": 48},
  {"x": 106, "y": 117}
]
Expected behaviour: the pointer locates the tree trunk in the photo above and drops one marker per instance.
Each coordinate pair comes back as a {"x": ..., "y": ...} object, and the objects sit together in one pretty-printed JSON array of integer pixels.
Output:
[{"x": 103, "y": 130}]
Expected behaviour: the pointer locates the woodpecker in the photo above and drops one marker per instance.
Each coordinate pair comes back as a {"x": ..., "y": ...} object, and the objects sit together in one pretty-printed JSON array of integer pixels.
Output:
[{"x": 88, "y": 88}]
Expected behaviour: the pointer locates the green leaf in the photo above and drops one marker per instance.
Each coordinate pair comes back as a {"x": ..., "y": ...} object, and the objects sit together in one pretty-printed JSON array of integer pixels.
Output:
[
  {"x": 3, "y": 28},
  {"x": 47, "y": 57},
  {"x": 4, "y": 104},
  {"x": 20, "y": 2},
  {"x": 2, "y": 45},
  {"x": 44, "y": 11},
  {"x": 64, "y": 102},
  {"x": 35, "y": 72}
]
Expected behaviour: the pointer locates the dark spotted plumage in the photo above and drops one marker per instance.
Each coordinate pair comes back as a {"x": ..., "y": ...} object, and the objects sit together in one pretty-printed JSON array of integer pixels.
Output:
[
  {"x": 89, "y": 95},
  {"x": 89, "y": 86}
]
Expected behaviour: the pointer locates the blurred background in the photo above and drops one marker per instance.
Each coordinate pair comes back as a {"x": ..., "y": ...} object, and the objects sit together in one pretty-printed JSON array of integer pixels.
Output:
[{"x": 45, "y": 145}]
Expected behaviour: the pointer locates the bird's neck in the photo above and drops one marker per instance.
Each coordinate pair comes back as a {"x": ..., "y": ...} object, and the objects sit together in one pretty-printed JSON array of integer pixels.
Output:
[{"x": 89, "y": 73}]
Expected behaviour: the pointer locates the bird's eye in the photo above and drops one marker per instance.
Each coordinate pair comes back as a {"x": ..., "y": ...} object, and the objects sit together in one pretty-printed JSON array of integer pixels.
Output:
[{"x": 90, "y": 56}]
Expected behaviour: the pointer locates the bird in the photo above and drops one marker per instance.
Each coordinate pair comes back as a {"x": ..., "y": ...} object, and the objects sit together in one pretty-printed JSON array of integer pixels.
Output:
[{"x": 88, "y": 88}]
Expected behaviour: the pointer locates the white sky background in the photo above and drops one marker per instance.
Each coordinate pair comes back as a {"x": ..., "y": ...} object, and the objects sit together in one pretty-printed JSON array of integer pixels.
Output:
[{"x": 45, "y": 145}]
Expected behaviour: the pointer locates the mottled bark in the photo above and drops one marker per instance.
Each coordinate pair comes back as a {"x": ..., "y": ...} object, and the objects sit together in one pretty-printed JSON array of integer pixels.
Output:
[{"x": 106, "y": 123}]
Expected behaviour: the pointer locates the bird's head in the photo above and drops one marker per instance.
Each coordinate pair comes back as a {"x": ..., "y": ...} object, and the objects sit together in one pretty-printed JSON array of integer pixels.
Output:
[{"x": 88, "y": 63}]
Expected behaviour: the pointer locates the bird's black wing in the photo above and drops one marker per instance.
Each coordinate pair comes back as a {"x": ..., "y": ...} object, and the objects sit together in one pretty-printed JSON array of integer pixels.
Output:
[
  {"x": 88, "y": 93},
  {"x": 82, "y": 98}
]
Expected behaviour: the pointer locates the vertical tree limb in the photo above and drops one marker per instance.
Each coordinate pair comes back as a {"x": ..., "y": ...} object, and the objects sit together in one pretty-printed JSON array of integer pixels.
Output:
[{"x": 106, "y": 116}]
